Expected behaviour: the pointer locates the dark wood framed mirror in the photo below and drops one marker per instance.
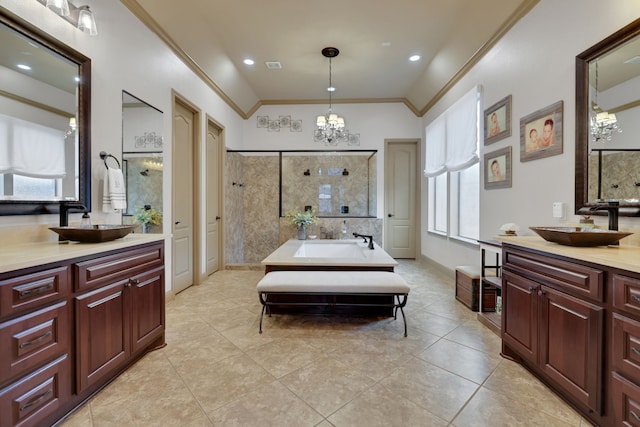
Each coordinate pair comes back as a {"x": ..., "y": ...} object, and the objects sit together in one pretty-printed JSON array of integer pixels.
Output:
[
  {"x": 50, "y": 104},
  {"x": 612, "y": 65}
]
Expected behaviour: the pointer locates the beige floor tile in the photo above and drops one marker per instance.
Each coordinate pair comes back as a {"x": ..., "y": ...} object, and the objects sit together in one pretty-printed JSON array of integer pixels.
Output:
[
  {"x": 475, "y": 335},
  {"x": 80, "y": 418},
  {"x": 471, "y": 364},
  {"x": 326, "y": 385},
  {"x": 282, "y": 356},
  {"x": 207, "y": 349},
  {"x": 269, "y": 405},
  {"x": 378, "y": 407},
  {"x": 511, "y": 379},
  {"x": 438, "y": 391},
  {"x": 218, "y": 383},
  {"x": 432, "y": 323},
  {"x": 490, "y": 409}
]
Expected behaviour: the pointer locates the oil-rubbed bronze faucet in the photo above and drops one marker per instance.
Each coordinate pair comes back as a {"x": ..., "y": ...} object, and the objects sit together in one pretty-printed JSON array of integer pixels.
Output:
[
  {"x": 365, "y": 239},
  {"x": 613, "y": 211}
]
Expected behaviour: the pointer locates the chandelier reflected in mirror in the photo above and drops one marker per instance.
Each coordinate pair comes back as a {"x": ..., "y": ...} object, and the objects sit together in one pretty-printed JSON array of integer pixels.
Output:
[
  {"x": 602, "y": 124},
  {"x": 330, "y": 127}
]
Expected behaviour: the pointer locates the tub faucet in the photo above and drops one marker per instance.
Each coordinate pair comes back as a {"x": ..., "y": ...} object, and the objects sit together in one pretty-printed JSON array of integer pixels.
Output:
[
  {"x": 365, "y": 239},
  {"x": 613, "y": 210}
]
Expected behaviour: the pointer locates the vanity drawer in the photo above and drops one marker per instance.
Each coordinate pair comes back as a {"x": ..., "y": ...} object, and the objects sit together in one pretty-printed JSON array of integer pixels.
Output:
[
  {"x": 32, "y": 290},
  {"x": 626, "y": 401},
  {"x": 32, "y": 339},
  {"x": 626, "y": 346},
  {"x": 626, "y": 294},
  {"x": 579, "y": 280},
  {"x": 34, "y": 398},
  {"x": 104, "y": 270}
]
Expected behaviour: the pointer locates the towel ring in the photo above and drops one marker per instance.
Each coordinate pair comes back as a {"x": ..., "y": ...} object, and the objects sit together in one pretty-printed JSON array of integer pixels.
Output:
[{"x": 104, "y": 156}]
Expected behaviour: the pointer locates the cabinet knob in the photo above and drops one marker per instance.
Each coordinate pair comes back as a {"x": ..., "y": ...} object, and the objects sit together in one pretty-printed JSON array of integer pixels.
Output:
[
  {"x": 531, "y": 289},
  {"x": 541, "y": 293},
  {"x": 132, "y": 282}
]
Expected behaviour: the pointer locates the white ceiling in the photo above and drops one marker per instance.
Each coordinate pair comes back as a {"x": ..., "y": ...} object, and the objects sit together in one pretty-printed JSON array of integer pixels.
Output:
[{"x": 218, "y": 35}]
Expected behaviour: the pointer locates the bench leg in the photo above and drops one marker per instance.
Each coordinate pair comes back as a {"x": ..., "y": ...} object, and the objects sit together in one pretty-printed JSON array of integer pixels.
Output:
[{"x": 399, "y": 306}]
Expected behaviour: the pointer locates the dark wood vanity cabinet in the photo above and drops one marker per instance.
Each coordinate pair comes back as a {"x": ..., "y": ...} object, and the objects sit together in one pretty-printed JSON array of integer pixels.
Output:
[
  {"x": 554, "y": 317},
  {"x": 67, "y": 329}
]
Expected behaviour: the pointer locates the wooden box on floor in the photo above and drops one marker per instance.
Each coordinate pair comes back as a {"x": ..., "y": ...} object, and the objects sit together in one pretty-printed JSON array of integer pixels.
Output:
[{"x": 468, "y": 289}]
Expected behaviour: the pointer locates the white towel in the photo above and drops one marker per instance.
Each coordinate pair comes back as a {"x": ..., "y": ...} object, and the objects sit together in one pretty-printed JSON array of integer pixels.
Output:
[{"x": 114, "y": 196}]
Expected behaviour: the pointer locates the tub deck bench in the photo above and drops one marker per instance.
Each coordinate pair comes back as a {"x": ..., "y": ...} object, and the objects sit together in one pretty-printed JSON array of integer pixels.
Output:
[{"x": 332, "y": 288}]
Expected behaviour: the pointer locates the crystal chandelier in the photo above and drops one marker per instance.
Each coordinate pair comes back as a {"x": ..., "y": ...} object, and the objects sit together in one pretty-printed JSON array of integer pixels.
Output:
[
  {"x": 602, "y": 124},
  {"x": 330, "y": 127}
]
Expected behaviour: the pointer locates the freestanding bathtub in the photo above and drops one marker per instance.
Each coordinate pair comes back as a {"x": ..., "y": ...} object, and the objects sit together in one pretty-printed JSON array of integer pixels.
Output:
[{"x": 352, "y": 255}]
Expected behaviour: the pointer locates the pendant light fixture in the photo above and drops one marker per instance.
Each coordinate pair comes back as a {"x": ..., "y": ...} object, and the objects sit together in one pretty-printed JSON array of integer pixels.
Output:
[{"x": 330, "y": 127}]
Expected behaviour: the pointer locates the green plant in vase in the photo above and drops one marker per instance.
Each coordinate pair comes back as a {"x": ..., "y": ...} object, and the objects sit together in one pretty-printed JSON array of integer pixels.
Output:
[
  {"x": 302, "y": 220},
  {"x": 147, "y": 216}
]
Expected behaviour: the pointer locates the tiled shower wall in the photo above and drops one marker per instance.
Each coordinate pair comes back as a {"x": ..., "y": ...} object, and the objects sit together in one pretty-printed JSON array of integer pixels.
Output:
[
  {"x": 621, "y": 177},
  {"x": 253, "y": 227}
]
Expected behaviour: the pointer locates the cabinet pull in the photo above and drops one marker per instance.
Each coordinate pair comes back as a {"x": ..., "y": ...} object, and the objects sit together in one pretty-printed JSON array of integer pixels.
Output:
[
  {"x": 636, "y": 298},
  {"x": 36, "y": 400},
  {"x": 634, "y": 415},
  {"x": 35, "y": 291},
  {"x": 635, "y": 351},
  {"x": 35, "y": 341}
]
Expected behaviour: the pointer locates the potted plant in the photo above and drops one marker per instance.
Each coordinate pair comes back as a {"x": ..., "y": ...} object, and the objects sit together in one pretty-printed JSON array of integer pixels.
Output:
[
  {"x": 302, "y": 220},
  {"x": 147, "y": 216}
]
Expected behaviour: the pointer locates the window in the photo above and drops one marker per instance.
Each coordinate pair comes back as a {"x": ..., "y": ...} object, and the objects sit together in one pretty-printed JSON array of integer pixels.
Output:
[{"x": 453, "y": 171}]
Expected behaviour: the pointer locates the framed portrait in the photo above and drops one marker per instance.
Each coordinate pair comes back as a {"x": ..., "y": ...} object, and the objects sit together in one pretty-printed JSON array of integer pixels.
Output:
[
  {"x": 497, "y": 169},
  {"x": 541, "y": 133},
  {"x": 497, "y": 121}
]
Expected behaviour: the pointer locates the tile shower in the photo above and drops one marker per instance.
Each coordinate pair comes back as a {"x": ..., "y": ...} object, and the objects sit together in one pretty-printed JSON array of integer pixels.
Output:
[{"x": 253, "y": 226}]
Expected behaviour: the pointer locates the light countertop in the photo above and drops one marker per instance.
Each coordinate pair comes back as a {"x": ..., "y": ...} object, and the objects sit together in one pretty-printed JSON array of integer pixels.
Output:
[
  {"x": 625, "y": 257},
  {"x": 284, "y": 255},
  {"x": 17, "y": 256}
]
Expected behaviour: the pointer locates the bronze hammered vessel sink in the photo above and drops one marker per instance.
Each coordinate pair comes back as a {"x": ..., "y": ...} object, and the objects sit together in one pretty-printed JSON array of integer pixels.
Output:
[
  {"x": 577, "y": 236},
  {"x": 93, "y": 233}
]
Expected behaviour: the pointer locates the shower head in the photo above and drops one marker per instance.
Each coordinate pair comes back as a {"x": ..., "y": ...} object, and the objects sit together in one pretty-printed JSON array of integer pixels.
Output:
[{"x": 144, "y": 172}]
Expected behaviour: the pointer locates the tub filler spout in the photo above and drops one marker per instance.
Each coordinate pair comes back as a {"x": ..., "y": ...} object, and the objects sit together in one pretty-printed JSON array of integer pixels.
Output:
[{"x": 365, "y": 239}]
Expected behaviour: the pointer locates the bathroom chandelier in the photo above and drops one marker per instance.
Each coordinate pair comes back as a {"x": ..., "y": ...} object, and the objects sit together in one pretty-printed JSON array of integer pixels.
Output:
[
  {"x": 330, "y": 127},
  {"x": 602, "y": 124},
  {"x": 80, "y": 17}
]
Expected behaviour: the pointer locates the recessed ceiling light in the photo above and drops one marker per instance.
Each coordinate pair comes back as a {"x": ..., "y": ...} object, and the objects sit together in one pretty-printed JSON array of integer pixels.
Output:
[
  {"x": 386, "y": 44},
  {"x": 249, "y": 61},
  {"x": 24, "y": 67},
  {"x": 273, "y": 65},
  {"x": 414, "y": 58},
  {"x": 331, "y": 89}
]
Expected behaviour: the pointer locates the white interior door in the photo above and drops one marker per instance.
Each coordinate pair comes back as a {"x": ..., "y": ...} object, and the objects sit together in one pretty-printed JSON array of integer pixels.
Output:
[
  {"x": 183, "y": 194},
  {"x": 400, "y": 199},
  {"x": 213, "y": 215}
]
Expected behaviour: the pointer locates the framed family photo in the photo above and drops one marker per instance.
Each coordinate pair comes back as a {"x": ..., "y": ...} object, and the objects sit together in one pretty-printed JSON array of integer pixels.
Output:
[
  {"x": 497, "y": 121},
  {"x": 497, "y": 169},
  {"x": 541, "y": 133}
]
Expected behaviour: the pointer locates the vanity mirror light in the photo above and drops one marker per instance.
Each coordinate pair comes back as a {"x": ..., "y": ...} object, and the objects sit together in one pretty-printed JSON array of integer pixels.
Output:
[
  {"x": 45, "y": 90},
  {"x": 142, "y": 149},
  {"x": 608, "y": 81}
]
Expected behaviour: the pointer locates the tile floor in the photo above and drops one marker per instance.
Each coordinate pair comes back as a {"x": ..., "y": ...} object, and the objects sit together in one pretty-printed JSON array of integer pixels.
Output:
[{"x": 216, "y": 370}]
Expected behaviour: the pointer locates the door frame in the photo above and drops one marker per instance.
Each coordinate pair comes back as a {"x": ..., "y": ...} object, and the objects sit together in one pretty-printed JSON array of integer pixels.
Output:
[
  {"x": 196, "y": 145},
  {"x": 221, "y": 175},
  {"x": 417, "y": 195}
]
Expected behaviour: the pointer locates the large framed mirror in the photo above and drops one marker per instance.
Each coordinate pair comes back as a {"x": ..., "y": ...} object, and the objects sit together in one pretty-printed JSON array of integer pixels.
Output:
[
  {"x": 607, "y": 163},
  {"x": 45, "y": 99},
  {"x": 142, "y": 155}
]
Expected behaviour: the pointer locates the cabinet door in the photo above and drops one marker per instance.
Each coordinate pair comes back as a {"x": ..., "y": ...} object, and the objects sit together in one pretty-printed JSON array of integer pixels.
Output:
[
  {"x": 147, "y": 302},
  {"x": 520, "y": 315},
  {"x": 571, "y": 333},
  {"x": 102, "y": 332}
]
